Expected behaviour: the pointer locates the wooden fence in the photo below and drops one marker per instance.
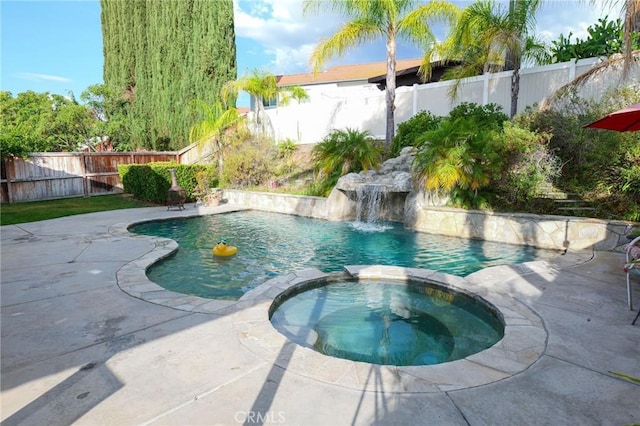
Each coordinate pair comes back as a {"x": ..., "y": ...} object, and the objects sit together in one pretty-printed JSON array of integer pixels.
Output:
[{"x": 52, "y": 175}]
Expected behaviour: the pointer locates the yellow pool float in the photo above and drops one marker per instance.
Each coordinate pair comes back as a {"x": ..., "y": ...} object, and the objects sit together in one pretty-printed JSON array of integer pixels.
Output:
[{"x": 222, "y": 249}]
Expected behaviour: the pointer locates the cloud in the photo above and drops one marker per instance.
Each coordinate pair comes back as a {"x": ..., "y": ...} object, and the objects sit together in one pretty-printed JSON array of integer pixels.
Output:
[
  {"x": 273, "y": 23},
  {"x": 42, "y": 77},
  {"x": 291, "y": 60},
  {"x": 280, "y": 28},
  {"x": 564, "y": 17},
  {"x": 287, "y": 36}
]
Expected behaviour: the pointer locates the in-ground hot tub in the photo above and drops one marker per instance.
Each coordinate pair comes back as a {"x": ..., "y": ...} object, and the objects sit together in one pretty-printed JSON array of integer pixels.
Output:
[
  {"x": 387, "y": 322},
  {"x": 523, "y": 342}
]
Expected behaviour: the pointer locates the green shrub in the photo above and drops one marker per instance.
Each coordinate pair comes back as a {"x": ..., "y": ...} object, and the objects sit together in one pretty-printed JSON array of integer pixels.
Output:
[
  {"x": 461, "y": 155},
  {"x": 579, "y": 153},
  {"x": 286, "y": 167},
  {"x": 286, "y": 148},
  {"x": 150, "y": 182},
  {"x": 409, "y": 131},
  {"x": 285, "y": 164},
  {"x": 602, "y": 166},
  {"x": 529, "y": 165},
  {"x": 342, "y": 152},
  {"x": 488, "y": 116},
  {"x": 348, "y": 150},
  {"x": 321, "y": 187},
  {"x": 590, "y": 156},
  {"x": 249, "y": 163},
  {"x": 458, "y": 155}
]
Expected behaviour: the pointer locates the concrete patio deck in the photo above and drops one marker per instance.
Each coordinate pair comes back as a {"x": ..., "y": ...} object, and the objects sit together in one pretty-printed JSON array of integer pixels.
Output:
[{"x": 85, "y": 340}]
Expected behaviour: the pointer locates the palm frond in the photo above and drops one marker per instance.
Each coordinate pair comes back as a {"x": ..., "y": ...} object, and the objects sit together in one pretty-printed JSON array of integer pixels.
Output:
[
  {"x": 349, "y": 36},
  {"x": 415, "y": 26},
  {"x": 615, "y": 63},
  {"x": 292, "y": 92}
]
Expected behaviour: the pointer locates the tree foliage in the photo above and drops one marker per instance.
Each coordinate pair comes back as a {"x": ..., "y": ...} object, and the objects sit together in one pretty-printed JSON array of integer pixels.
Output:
[
  {"x": 42, "y": 122},
  {"x": 631, "y": 28},
  {"x": 111, "y": 113},
  {"x": 411, "y": 130},
  {"x": 489, "y": 37},
  {"x": 262, "y": 86},
  {"x": 215, "y": 120},
  {"x": 159, "y": 56},
  {"x": 388, "y": 19},
  {"x": 604, "y": 39}
]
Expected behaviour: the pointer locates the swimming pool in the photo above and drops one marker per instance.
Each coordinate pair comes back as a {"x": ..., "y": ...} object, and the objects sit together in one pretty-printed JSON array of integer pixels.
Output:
[{"x": 272, "y": 244}]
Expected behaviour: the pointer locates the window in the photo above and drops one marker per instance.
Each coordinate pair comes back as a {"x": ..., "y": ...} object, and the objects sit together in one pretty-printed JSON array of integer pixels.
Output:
[{"x": 270, "y": 103}]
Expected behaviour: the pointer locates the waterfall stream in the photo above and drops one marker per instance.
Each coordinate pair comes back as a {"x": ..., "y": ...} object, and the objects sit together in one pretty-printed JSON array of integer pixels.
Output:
[{"x": 369, "y": 200}]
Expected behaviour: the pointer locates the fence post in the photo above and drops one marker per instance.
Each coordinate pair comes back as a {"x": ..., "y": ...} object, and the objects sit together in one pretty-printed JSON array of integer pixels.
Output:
[
  {"x": 83, "y": 168},
  {"x": 11, "y": 173},
  {"x": 572, "y": 69},
  {"x": 485, "y": 88}
]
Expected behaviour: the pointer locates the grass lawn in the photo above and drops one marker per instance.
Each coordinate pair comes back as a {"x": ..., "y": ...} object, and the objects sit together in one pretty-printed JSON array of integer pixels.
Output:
[{"x": 11, "y": 214}]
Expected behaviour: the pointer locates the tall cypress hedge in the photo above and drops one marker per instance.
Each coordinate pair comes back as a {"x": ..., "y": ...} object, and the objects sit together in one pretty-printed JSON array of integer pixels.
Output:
[{"x": 159, "y": 55}]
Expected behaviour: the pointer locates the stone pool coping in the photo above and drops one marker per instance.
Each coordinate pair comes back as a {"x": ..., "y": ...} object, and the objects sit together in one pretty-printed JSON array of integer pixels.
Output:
[{"x": 524, "y": 341}]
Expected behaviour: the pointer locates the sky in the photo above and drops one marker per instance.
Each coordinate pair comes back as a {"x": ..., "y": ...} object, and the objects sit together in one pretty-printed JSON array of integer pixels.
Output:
[{"x": 56, "y": 46}]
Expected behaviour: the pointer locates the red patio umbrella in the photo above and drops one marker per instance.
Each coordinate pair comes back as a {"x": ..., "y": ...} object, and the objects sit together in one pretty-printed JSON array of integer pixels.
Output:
[{"x": 624, "y": 120}]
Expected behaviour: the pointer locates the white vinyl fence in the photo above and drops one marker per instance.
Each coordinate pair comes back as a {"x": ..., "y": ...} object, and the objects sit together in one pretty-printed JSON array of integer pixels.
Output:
[{"x": 363, "y": 107}]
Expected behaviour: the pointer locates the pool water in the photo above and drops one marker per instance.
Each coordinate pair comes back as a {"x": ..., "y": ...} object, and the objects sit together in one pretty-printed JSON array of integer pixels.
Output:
[
  {"x": 271, "y": 244},
  {"x": 390, "y": 323}
]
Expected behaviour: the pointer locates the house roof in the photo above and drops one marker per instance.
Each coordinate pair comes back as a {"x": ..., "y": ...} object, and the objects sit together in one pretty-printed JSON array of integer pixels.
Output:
[
  {"x": 345, "y": 73},
  {"x": 409, "y": 76}
]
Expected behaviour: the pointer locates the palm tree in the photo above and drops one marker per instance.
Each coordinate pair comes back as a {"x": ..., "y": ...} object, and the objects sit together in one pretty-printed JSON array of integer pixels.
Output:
[
  {"x": 261, "y": 86},
  {"x": 216, "y": 120},
  {"x": 342, "y": 152},
  {"x": 488, "y": 38},
  {"x": 345, "y": 151},
  {"x": 373, "y": 19},
  {"x": 293, "y": 92},
  {"x": 631, "y": 25},
  {"x": 614, "y": 69},
  {"x": 460, "y": 153},
  {"x": 298, "y": 94}
]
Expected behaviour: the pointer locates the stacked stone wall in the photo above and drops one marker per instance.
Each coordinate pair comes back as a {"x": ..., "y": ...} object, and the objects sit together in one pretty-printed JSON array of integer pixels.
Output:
[{"x": 551, "y": 232}]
